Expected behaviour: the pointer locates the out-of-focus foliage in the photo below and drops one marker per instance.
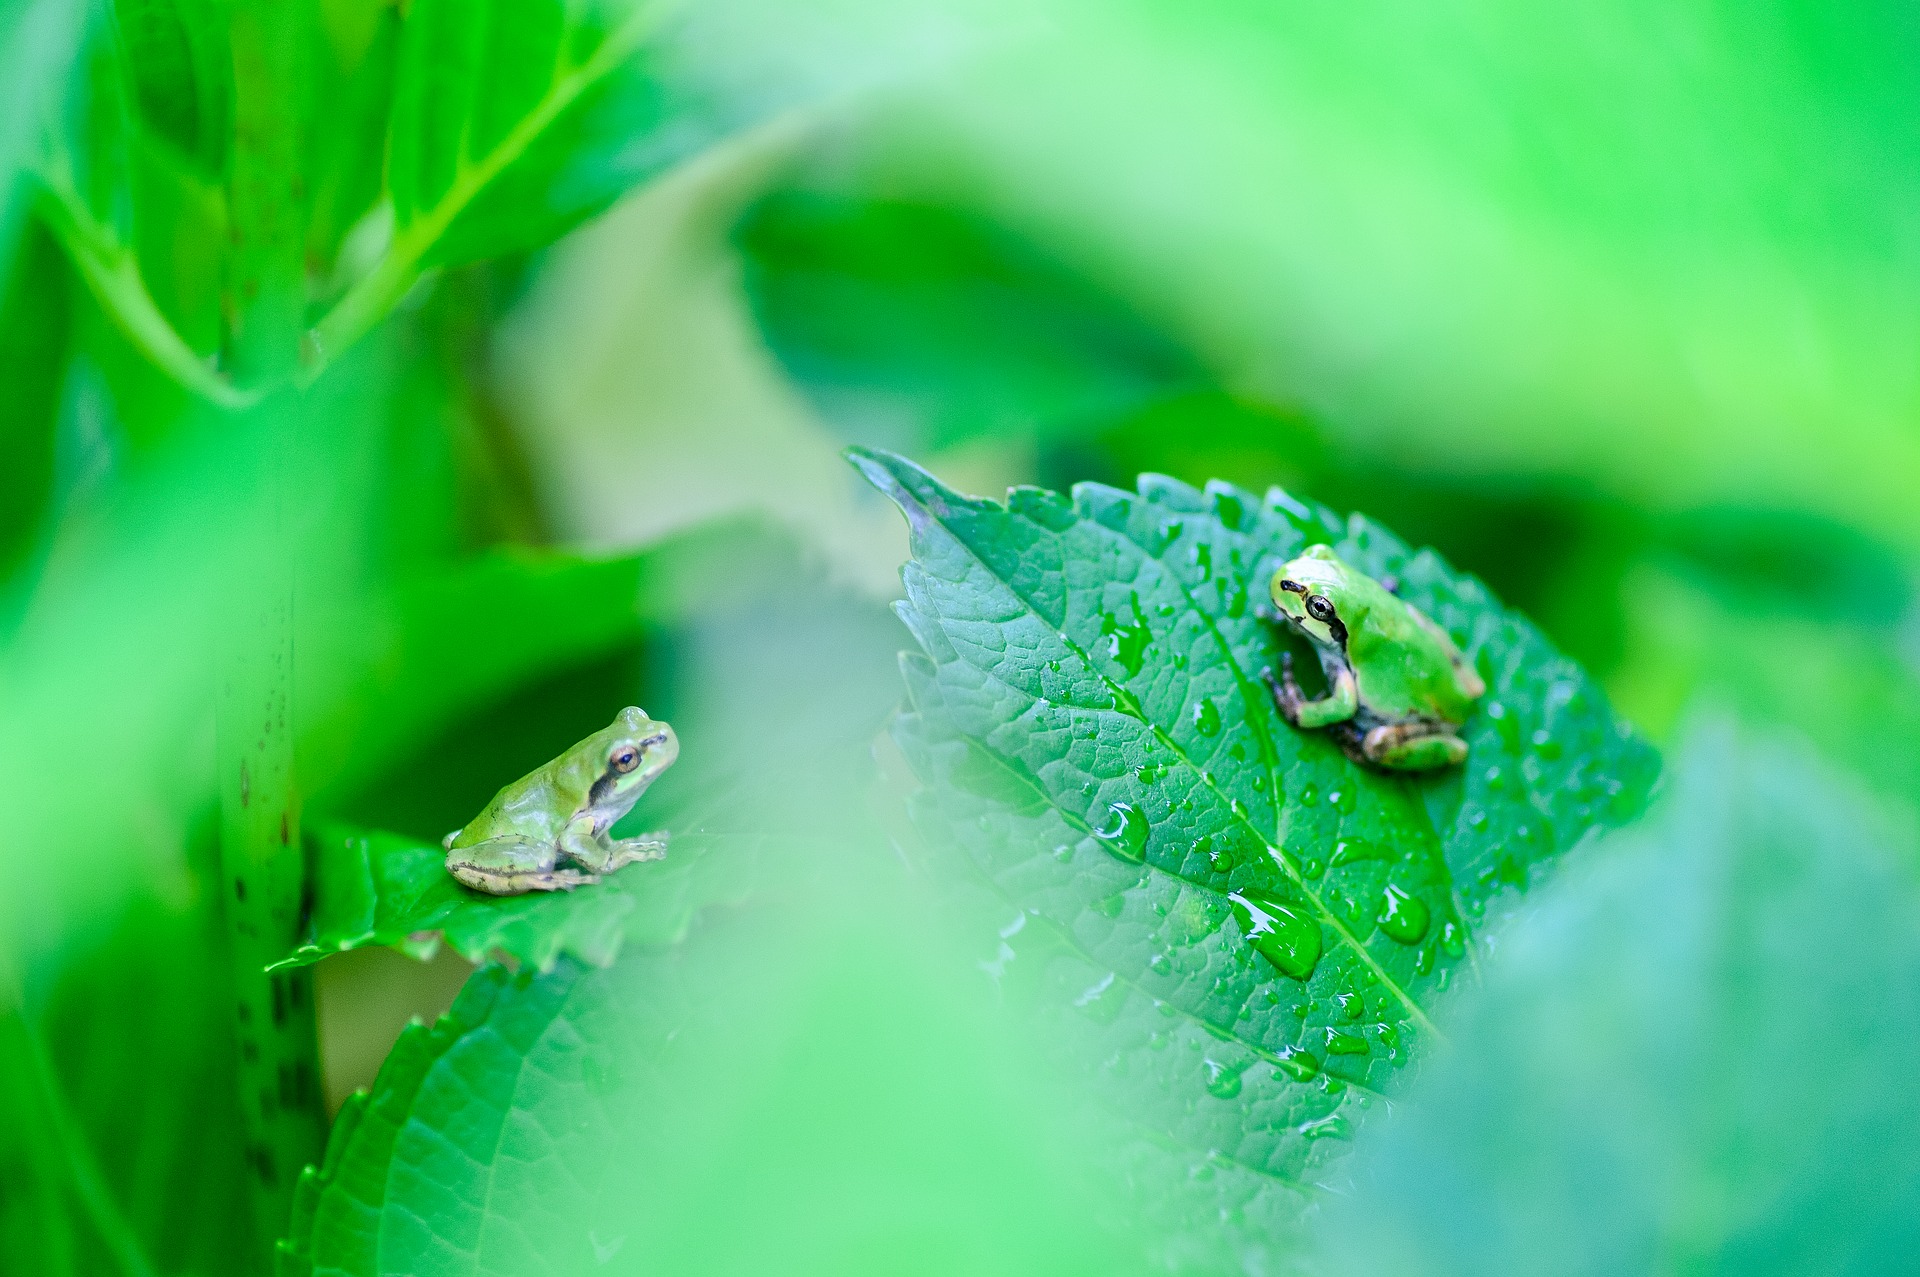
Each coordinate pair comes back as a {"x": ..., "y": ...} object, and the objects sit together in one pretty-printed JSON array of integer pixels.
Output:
[
  {"x": 1612, "y": 308},
  {"x": 1695, "y": 1056}
]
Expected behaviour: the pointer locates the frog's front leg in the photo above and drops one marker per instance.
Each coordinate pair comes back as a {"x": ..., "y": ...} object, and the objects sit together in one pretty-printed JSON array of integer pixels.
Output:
[
  {"x": 1338, "y": 705},
  {"x": 1412, "y": 747},
  {"x": 601, "y": 854},
  {"x": 512, "y": 866}
]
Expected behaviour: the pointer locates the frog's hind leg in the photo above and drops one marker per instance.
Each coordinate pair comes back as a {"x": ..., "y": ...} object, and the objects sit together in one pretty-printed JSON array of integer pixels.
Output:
[
  {"x": 512, "y": 867},
  {"x": 1412, "y": 747}
]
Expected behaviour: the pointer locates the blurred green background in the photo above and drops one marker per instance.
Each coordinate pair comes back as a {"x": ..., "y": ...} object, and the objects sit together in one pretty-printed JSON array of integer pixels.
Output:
[{"x": 1617, "y": 308}]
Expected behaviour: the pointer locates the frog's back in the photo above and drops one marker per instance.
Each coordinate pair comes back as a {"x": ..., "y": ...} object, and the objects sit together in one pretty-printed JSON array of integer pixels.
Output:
[
  {"x": 1432, "y": 676},
  {"x": 529, "y": 808}
]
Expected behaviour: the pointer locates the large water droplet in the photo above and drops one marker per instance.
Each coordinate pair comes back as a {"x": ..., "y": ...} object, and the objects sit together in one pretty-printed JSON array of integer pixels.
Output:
[
  {"x": 1206, "y": 718},
  {"x": 1281, "y": 936},
  {"x": 1339, "y": 1043},
  {"x": 1402, "y": 916},
  {"x": 1299, "y": 1064},
  {"x": 1124, "y": 833},
  {"x": 1223, "y": 1081},
  {"x": 1352, "y": 1005}
]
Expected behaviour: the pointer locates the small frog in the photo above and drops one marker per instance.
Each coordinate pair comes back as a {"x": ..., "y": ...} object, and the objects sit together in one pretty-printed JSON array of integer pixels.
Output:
[
  {"x": 1398, "y": 689},
  {"x": 562, "y": 813}
]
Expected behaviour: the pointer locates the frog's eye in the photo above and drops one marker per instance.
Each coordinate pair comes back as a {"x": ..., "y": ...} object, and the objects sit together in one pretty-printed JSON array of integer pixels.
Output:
[
  {"x": 1319, "y": 609},
  {"x": 625, "y": 759}
]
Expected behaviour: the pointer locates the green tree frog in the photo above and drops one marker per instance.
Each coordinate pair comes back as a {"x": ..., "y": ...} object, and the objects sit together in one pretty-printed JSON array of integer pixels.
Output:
[
  {"x": 561, "y": 813},
  {"x": 1397, "y": 687}
]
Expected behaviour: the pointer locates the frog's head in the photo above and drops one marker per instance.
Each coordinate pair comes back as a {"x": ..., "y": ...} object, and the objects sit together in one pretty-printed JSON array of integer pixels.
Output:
[
  {"x": 1315, "y": 592},
  {"x": 630, "y": 755}
]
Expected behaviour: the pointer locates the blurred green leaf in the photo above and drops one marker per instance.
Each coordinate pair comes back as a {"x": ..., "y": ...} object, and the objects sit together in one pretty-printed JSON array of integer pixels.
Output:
[
  {"x": 810, "y": 1086},
  {"x": 926, "y": 325},
  {"x": 1089, "y": 721},
  {"x": 379, "y": 888},
  {"x": 180, "y": 68},
  {"x": 1698, "y": 1057},
  {"x": 393, "y": 667}
]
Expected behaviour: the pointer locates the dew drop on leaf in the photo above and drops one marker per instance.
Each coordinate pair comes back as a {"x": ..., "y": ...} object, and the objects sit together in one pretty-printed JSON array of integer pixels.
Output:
[
  {"x": 1401, "y": 916},
  {"x": 1281, "y": 936},
  {"x": 1206, "y": 718},
  {"x": 1223, "y": 1081},
  {"x": 1332, "y": 1126},
  {"x": 1124, "y": 833},
  {"x": 1230, "y": 511},
  {"x": 1453, "y": 940},
  {"x": 1298, "y": 1063},
  {"x": 1310, "y": 797},
  {"x": 1339, "y": 1043},
  {"x": 1352, "y": 1005},
  {"x": 1203, "y": 559}
]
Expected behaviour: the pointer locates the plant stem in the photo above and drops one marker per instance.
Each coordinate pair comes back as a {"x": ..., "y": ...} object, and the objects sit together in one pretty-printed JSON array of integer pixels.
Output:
[{"x": 263, "y": 878}]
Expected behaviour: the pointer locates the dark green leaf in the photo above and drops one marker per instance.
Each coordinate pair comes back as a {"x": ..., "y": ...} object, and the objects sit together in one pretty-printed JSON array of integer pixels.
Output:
[
  {"x": 1698, "y": 1057},
  {"x": 1089, "y": 721},
  {"x": 513, "y": 121},
  {"x": 932, "y": 324},
  {"x": 180, "y": 69}
]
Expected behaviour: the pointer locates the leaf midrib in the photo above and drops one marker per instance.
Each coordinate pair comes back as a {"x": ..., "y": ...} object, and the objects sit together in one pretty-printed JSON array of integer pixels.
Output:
[{"x": 1121, "y": 696}]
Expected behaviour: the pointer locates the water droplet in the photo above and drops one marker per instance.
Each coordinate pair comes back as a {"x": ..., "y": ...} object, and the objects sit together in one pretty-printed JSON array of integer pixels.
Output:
[
  {"x": 1228, "y": 507},
  {"x": 1206, "y": 718},
  {"x": 1496, "y": 779},
  {"x": 1205, "y": 847},
  {"x": 1110, "y": 906},
  {"x": 1298, "y": 1064},
  {"x": 1126, "y": 644},
  {"x": 1352, "y": 1005},
  {"x": 1339, "y": 1043},
  {"x": 1148, "y": 773},
  {"x": 1170, "y": 532},
  {"x": 1332, "y": 1126},
  {"x": 1342, "y": 800},
  {"x": 1203, "y": 559},
  {"x": 1312, "y": 868},
  {"x": 1125, "y": 832},
  {"x": 1545, "y": 745},
  {"x": 1063, "y": 853},
  {"x": 1223, "y": 1081},
  {"x": 1309, "y": 796},
  {"x": 1423, "y": 961},
  {"x": 1159, "y": 964},
  {"x": 1240, "y": 809},
  {"x": 1281, "y": 936},
  {"x": 1453, "y": 939},
  {"x": 1402, "y": 916},
  {"x": 1348, "y": 850}
]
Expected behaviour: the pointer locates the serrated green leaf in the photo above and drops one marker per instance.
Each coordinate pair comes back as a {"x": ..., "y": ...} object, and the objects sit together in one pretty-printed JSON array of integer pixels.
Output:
[
  {"x": 1696, "y": 1056},
  {"x": 372, "y": 887},
  {"x": 1088, "y": 717}
]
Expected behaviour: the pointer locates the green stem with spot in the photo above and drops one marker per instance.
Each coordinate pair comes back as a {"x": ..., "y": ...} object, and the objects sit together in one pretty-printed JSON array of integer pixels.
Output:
[{"x": 263, "y": 875}]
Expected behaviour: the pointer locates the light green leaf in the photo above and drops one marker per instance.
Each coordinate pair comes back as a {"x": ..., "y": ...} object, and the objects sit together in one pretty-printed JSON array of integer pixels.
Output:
[
  {"x": 372, "y": 887},
  {"x": 1089, "y": 720},
  {"x": 1696, "y": 1057}
]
